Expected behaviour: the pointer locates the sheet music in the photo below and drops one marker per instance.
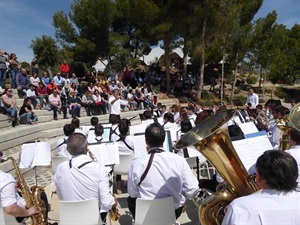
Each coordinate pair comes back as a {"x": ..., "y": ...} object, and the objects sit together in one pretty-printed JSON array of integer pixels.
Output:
[
  {"x": 86, "y": 129},
  {"x": 35, "y": 154},
  {"x": 91, "y": 138},
  {"x": 106, "y": 153},
  {"x": 135, "y": 129},
  {"x": 250, "y": 149},
  {"x": 234, "y": 120},
  {"x": 173, "y": 132},
  {"x": 139, "y": 145},
  {"x": 160, "y": 120},
  {"x": 248, "y": 128}
]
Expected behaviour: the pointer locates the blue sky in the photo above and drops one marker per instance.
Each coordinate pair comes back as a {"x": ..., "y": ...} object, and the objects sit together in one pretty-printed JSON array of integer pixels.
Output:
[{"x": 23, "y": 20}]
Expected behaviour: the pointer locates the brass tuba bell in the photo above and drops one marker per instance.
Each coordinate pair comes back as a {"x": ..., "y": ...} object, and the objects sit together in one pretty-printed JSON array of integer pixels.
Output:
[{"x": 211, "y": 138}]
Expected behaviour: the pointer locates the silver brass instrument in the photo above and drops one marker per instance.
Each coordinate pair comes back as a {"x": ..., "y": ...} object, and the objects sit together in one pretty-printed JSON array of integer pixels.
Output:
[{"x": 211, "y": 138}]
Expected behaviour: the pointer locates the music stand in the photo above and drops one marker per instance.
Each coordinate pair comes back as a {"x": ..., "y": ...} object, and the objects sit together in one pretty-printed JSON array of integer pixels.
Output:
[{"x": 237, "y": 103}]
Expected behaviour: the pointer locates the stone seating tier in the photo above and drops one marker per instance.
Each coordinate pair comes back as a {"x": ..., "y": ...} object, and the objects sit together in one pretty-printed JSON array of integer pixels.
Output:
[{"x": 47, "y": 129}]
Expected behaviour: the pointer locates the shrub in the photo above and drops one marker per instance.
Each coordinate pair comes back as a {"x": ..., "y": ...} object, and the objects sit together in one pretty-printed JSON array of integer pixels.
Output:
[
  {"x": 251, "y": 79},
  {"x": 280, "y": 92}
]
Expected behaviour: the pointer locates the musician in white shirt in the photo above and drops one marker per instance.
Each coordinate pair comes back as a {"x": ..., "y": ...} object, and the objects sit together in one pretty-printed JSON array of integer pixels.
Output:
[
  {"x": 276, "y": 202},
  {"x": 295, "y": 150},
  {"x": 61, "y": 144},
  {"x": 169, "y": 174},
  {"x": 81, "y": 178},
  {"x": 8, "y": 197},
  {"x": 169, "y": 121}
]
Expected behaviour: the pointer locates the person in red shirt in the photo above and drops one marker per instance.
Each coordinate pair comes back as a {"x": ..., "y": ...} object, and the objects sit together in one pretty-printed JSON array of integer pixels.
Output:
[
  {"x": 41, "y": 92},
  {"x": 65, "y": 68}
]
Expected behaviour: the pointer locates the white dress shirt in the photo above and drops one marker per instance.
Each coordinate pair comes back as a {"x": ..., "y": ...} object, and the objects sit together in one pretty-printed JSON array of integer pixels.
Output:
[
  {"x": 265, "y": 207},
  {"x": 169, "y": 125},
  {"x": 295, "y": 152},
  {"x": 123, "y": 149},
  {"x": 87, "y": 182},
  {"x": 115, "y": 133},
  {"x": 61, "y": 146},
  {"x": 7, "y": 190},
  {"x": 114, "y": 108},
  {"x": 253, "y": 99},
  {"x": 169, "y": 175}
]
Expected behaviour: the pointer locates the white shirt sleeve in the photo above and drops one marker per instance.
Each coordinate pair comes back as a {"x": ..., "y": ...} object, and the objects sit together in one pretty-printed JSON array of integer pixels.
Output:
[
  {"x": 8, "y": 191},
  {"x": 106, "y": 199}
]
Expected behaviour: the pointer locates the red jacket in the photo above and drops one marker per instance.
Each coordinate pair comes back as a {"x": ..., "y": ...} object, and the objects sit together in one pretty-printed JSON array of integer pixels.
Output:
[{"x": 64, "y": 68}]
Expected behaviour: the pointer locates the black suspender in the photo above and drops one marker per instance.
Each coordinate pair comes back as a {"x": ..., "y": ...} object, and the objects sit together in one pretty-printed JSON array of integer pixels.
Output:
[
  {"x": 64, "y": 142},
  {"x": 80, "y": 166},
  {"x": 127, "y": 145},
  {"x": 152, "y": 152}
]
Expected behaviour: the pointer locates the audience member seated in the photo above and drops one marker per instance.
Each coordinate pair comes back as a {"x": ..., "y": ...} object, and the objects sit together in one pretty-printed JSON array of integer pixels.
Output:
[
  {"x": 51, "y": 87},
  {"x": 42, "y": 94},
  {"x": 99, "y": 104},
  {"x": 35, "y": 80},
  {"x": 22, "y": 81},
  {"x": 61, "y": 143},
  {"x": 132, "y": 104},
  {"x": 10, "y": 104},
  {"x": 73, "y": 88},
  {"x": 30, "y": 93},
  {"x": 46, "y": 79},
  {"x": 56, "y": 105},
  {"x": 88, "y": 103},
  {"x": 27, "y": 116},
  {"x": 74, "y": 104}
]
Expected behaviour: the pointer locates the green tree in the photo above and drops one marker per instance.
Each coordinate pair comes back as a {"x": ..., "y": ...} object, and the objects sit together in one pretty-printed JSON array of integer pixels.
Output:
[
  {"x": 84, "y": 32},
  {"x": 46, "y": 52}
]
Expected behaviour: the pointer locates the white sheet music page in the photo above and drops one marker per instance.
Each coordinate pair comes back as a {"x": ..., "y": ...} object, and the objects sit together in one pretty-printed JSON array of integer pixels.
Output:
[
  {"x": 109, "y": 153},
  {"x": 250, "y": 149},
  {"x": 173, "y": 132},
  {"x": 106, "y": 153},
  {"x": 27, "y": 155},
  {"x": 91, "y": 138},
  {"x": 139, "y": 145},
  {"x": 42, "y": 156},
  {"x": 248, "y": 128}
]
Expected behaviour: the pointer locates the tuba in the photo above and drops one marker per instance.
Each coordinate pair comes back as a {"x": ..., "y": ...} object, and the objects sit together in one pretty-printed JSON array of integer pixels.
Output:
[
  {"x": 32, "y": 198},
  {"x": 211, "y": 138}
]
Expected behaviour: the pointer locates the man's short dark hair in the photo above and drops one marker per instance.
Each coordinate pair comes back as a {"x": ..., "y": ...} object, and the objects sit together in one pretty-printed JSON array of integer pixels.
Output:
[
  {"x": 113, "y": 119},
  {"x": 76, "y": 122},
  {"x": 69, "y": 129},
  {"x": 169, "y": 117},
  {"x": 99, "y": 130},
  {"x": 295, "y": 136},
  {"x": 155, "y": 135},
  {"x": 76, "y": 144},
  {"x": 147, "y": 114},
  {"x": 278, "y": 169},
  {"x": 94, "y": 120}
]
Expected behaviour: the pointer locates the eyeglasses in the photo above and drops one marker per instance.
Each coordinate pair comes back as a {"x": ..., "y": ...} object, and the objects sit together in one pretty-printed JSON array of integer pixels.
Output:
[{"x": 9, "y": 90}]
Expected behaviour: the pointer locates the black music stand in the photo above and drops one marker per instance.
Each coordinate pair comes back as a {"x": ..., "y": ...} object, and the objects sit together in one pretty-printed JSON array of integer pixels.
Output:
[{"x": 237, "y": 103}]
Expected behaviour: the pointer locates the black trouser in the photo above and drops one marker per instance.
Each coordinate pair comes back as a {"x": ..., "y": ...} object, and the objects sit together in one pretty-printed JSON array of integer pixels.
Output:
[{"x": 132, "y": 203}]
